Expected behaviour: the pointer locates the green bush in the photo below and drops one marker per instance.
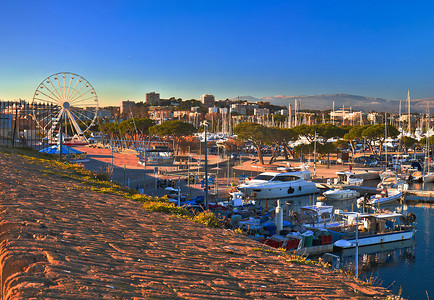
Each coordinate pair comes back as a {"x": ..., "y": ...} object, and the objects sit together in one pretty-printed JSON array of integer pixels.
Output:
[
  {"x": 166, "y": 207},
  {"x": 207, "y": 218}
]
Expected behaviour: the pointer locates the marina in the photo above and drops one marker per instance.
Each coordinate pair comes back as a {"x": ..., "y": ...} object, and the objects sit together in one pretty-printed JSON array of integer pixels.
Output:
[
  {"x": 216, "y": 150},
  {"x": 403, "y": 265},
  {"x": 408, "y": 252}
]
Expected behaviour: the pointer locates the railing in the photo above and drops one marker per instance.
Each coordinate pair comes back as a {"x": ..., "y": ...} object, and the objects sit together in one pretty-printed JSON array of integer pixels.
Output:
[{"x": 22, "y": 124}]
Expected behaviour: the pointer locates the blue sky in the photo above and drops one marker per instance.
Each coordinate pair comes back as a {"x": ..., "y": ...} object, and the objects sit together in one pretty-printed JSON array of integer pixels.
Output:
[{"x": 226, "y": 48}]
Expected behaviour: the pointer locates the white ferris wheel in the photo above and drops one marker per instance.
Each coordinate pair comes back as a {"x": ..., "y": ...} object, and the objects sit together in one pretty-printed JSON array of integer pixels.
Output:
[{"x": 73, "y": 106}]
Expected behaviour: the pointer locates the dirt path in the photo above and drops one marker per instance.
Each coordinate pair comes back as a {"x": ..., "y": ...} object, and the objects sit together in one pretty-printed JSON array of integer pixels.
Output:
[{"x": 59, "y": 240}]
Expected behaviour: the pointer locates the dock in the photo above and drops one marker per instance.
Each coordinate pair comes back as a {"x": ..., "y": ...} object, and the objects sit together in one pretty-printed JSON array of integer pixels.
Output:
[
  {"x": 361, "y": 189},
  {"x": 419, "y": 196},
  {"x": 315, "y": 250}
]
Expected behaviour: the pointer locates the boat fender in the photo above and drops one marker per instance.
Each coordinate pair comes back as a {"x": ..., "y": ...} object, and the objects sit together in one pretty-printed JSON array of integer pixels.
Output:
[
  {"x": 291, "y": 190},
  {"x": 299, "y": 187}
]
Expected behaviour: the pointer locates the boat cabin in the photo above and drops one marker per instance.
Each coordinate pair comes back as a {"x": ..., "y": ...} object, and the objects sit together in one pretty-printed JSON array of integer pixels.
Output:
[
  {"x": 347, "y": 177},
  {"x": 282, "y": 177}
]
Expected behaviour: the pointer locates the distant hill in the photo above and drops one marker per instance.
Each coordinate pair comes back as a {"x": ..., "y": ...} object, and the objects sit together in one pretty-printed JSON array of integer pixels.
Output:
[
  {"x": 248, "y": 98},
  {"x": 357, "y": 103}
]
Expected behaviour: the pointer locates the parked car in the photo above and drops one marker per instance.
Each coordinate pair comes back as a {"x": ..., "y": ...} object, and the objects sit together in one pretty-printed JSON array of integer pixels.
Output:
[{"x": 235, "y": 155}]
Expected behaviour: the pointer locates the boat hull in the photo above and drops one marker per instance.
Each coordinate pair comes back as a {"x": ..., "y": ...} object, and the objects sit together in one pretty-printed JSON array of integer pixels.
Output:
[
  {"x": 429, "y": 177},
  {"x": 391, "y": 198},
  {"x": 341, "y": 194},
  {"x": 376, "y": 239},
  {"x": 376, "y": 201},
  {"x": 280, "y": 191}
]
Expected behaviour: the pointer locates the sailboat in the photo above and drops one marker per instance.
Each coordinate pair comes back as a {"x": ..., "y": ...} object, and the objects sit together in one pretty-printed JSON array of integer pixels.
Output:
[{"x": 428, "y": 175}]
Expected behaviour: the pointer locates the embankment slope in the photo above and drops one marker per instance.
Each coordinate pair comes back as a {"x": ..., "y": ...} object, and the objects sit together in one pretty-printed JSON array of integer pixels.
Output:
[{"x": 60, "y": 240}]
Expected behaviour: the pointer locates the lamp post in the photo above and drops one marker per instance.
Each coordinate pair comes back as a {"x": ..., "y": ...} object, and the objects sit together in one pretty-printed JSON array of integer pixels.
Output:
[
  {"x": 357, "y": 247},
  {"x": 205, "y": 125},
  {"x": 314, "y": 157},
  {"x": 61, "y": 136},
  {"x": 217, "y": 174},
  {"x": 188, "y": 171}
]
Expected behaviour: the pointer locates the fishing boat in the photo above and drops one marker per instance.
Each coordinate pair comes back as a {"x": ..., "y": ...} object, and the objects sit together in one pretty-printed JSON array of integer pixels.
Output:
[
  {"x": 391, "y": 179},
  {"x": 373, "y": 229},
  {"x": 386, "y": 196},
  {"x": 347, "y": 178},
  {"x": 387, "y": 174},
  {"x": 341, "y": 194},
  {"x": 304, "y": 241},
  {"x": 318, "y": 215},
  {"x": 275, "y": 185}
]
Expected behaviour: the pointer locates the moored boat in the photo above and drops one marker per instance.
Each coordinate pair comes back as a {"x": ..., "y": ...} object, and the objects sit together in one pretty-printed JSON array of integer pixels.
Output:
[
  {"x": 347, "y": 178},
  {"x": 376, "y": 229},
  {"x": 275, "y": 185},
  {"x": 386, "y": 196},
  {"x": 428, "y": 177},
  {"x": 341, "y": 194},
  {"x": 317, "y": 216}
]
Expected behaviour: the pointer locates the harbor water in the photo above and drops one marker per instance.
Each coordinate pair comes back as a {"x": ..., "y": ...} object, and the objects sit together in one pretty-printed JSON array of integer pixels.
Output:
[{"x": 405, "y": 267}]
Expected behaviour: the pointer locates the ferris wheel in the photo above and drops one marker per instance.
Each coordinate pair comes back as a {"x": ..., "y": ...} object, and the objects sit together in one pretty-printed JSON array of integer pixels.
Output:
[{"x": 73, "y": 106}]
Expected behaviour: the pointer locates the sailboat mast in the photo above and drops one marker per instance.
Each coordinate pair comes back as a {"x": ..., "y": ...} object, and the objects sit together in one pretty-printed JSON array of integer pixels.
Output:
[
  {"x": 409, "y": 119},
  {"x": 385, "y": 136},
  {"x": 289, "y": 116},
  {"x": 399, "y": 120},
  {"x": 333, "y": 114}
]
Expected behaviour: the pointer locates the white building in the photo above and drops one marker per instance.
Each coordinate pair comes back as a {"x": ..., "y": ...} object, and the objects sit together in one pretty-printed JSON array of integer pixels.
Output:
[{"x": 261, "y": 112}]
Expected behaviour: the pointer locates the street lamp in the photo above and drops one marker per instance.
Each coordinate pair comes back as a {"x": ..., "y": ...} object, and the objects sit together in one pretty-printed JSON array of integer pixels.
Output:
[
  {"x": 61, "y": 136},
  {"x": 205, "y": 126},
  {"x": 188, "y": 171},
  {"x": 314, "y": 157}
]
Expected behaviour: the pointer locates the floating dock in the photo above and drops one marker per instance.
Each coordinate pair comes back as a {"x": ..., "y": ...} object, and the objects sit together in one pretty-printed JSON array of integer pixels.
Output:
[{"x": 419, "y": 196}]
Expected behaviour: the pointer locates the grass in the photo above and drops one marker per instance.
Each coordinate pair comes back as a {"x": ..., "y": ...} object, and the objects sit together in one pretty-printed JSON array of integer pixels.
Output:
[
  {"x": 292, "y": 257},
  {"x": 99, "y": 182}
]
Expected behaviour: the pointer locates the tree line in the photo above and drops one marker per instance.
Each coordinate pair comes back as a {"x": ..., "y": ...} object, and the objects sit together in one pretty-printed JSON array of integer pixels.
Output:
[{"x": 261, "y": 137}]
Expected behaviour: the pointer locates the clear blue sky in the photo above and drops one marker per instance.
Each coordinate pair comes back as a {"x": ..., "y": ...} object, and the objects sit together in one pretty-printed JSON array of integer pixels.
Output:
[{"x": 226, "y": 48}]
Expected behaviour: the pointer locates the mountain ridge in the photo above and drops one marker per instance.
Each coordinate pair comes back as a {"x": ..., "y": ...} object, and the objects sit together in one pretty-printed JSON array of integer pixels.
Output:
[{"x": 356, "y": 102}]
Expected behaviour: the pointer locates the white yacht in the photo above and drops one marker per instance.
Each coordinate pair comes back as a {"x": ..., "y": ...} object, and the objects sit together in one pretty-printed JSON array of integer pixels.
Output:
[
  {"x": 347, "y": 178},
  {"x": 275, "y": 185}
]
